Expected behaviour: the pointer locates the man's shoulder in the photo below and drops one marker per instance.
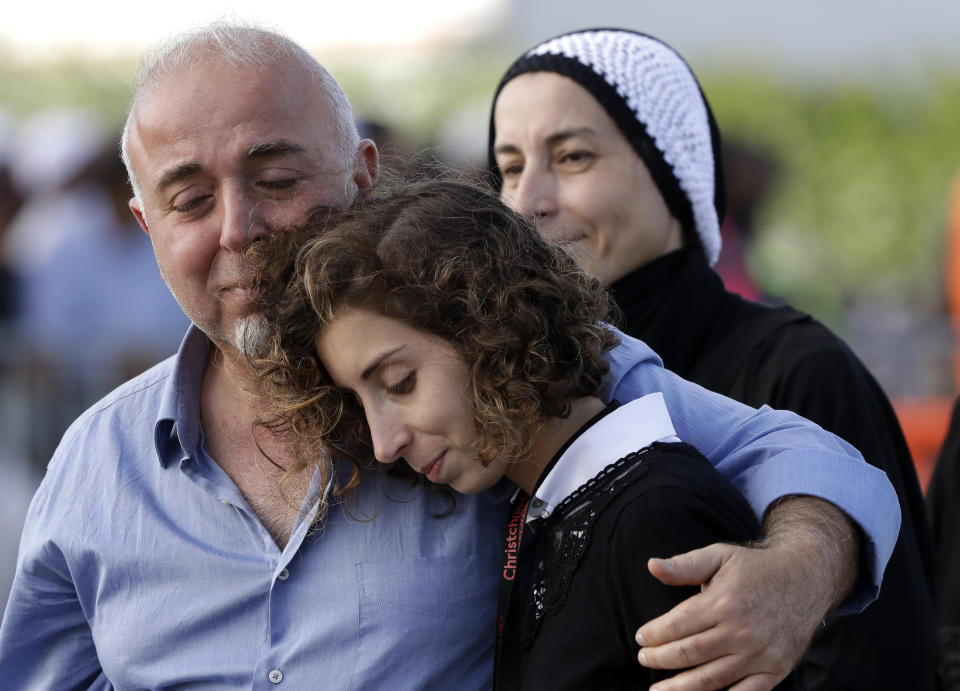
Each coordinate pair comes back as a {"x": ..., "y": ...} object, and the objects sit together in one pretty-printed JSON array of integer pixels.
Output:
[
  {"x": 110, "y": 443},
  {"x": 131, "y": 396},
  {"x": 130, "y": 410}
]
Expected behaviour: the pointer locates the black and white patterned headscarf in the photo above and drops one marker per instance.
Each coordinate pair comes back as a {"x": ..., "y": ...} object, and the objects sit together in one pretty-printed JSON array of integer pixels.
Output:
[{"x": 656, "y": 101}]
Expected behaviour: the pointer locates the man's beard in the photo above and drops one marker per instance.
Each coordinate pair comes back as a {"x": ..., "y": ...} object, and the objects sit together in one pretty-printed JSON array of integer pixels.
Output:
[{"x": 251, "y": 335}]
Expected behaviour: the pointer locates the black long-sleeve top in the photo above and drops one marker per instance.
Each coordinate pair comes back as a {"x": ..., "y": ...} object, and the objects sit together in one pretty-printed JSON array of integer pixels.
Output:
[{"x": 783, "y": 358}]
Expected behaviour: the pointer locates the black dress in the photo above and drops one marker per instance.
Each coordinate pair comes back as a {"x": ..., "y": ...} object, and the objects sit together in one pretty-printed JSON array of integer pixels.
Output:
[
  {"x": 943, "y": 501},
  {"x": 584, "y": 584},
  {"x": 784, "y": 358}
]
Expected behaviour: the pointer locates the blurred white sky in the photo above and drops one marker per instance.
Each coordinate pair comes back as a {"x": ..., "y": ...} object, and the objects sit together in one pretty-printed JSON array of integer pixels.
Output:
[
  {"x": 820, "y": 37},
  {"x": 39, "y": 30}
]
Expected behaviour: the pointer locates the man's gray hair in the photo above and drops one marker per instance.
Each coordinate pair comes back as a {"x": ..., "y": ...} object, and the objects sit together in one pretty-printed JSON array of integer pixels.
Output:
[{"x": 239, "y": 45}]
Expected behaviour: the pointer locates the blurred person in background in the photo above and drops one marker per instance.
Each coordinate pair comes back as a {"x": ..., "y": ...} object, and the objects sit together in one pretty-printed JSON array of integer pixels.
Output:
[
  {"x": 748, "y": 173},
  {"x": 92, "y": 310},
  {"x": 96, "y": 303},
  {"x": 11, "y": 200},
  {"x": 167, "y": 543},
  {"x": 17, "y": 479},
  {"x": 49, "y": 152},
  {"x": 606, "y": 141}
]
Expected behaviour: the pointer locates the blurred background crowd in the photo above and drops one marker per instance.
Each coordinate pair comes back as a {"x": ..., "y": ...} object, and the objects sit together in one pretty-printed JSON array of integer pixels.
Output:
[{"x": 842, "y": 152}]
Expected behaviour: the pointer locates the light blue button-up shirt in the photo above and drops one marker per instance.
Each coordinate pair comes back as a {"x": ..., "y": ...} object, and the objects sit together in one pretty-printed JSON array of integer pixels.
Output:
[{"x": 142, "y": 566}]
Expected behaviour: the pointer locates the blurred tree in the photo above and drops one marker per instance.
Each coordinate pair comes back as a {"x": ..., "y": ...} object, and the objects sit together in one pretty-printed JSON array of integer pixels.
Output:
[{"x": 859, "y": 211}]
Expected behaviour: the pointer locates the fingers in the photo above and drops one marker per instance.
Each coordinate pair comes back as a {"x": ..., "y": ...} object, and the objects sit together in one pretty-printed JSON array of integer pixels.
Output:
[
  {"x": 694, "y": 614},
  {"x": 748, "y": 625},
  {"x": 693, "y": 650},
  {"x": 686, "y": 619},
  {"x": 691, "y": 568},
  {"x": 718, "y": 674}
]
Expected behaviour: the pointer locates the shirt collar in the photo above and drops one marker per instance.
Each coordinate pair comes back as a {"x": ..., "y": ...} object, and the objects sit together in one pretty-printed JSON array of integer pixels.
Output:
[
  {"x": 629, "y": 428},
  {"x": 177, "y": 428}
]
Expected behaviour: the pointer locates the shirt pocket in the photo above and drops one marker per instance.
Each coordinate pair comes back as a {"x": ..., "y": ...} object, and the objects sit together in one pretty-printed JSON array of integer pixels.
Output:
[{"x": 427, "y": 622}]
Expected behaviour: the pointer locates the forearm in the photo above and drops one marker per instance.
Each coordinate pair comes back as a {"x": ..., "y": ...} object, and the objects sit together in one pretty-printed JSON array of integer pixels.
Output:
[
  {"x": 826, "y": 546},
  {"x": 771, "y": 454}
]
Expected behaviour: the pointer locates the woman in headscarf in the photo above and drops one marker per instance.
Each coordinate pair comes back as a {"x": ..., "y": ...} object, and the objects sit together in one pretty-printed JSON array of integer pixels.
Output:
[{"x": 604, "y": 139}]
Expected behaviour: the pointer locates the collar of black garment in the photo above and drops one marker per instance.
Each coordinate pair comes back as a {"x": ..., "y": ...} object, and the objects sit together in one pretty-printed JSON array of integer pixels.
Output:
[{"x": 671, "y": 304}]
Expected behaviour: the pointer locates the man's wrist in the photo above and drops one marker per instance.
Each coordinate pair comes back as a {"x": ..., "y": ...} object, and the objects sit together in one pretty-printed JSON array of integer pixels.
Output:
[{"x": 818, "y": 539}]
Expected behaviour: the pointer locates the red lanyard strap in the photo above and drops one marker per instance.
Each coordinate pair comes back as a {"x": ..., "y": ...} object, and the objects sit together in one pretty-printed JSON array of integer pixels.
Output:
[{"x": 508, "y": 580}]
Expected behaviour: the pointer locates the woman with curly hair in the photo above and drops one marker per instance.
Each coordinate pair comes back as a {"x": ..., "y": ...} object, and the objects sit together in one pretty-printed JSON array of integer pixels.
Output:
[{"x": 437, "y": 326}]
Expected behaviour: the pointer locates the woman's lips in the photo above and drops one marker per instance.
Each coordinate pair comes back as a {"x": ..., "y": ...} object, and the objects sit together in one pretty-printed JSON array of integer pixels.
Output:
[{"x": 433, "y": 471}]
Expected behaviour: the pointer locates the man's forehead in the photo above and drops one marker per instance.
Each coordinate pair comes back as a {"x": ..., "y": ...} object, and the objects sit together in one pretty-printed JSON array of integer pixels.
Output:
[
  {"x": 205, "y": 113},
  {"x": 211, "y": 82}
]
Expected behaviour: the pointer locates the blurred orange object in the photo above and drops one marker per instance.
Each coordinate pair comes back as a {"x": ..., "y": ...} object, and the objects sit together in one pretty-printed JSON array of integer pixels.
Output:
[{"x": 924, "y": 422}]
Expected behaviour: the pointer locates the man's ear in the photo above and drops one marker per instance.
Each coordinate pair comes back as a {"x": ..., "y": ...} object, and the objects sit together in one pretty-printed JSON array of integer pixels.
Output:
[
  {"x": 138, "y": 214},
  {"x": 366, "y": 168}
]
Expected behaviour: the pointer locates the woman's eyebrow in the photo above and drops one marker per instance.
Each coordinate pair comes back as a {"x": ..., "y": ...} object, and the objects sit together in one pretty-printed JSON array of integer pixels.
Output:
[
  {"x": 372, "y": 367},
  {"x": 551, "y": 140},
  {"x": 563, "y": 135}
]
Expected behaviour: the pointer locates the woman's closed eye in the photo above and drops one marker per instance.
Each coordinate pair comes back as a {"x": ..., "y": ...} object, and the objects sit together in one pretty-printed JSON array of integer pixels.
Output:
[
  {"x": 404, "y": 385},
  {"x": 577, "y": 158},
  {"x": 511, "y": 170}
]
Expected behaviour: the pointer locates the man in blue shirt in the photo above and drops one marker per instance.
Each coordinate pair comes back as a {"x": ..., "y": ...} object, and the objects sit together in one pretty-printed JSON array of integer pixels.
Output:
[{"x": 161, "y": 548}]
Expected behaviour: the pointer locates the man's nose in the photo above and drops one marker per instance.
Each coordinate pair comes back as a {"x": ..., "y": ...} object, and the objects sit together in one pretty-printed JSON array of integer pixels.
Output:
[
  {"x": 242, "y": 221},
  {"x": 391, "y": 438},
  {"x": 535, "y": 195}
]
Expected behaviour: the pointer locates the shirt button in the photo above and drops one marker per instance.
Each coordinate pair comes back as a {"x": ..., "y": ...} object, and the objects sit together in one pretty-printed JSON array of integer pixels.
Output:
[
  {"x": 283, "y": 575},
  {"x": 275, "y": 676},
  {"x": 537, "y": 503}
]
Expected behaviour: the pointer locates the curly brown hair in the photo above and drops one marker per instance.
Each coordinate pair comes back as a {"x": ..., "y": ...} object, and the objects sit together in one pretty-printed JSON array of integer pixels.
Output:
[{"x": 447, "y": 258}]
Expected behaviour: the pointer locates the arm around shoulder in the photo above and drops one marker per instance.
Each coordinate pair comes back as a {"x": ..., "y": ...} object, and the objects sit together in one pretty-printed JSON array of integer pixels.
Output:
[{"x": 771, "y": 454}]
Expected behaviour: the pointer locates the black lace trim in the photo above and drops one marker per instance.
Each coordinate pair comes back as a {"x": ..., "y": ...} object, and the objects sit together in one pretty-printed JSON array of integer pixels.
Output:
[{"x": 566, "y": 537}]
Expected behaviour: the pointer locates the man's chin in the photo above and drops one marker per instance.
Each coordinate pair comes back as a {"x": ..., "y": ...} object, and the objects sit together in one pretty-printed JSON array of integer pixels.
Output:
[{"x": 251, "y": 335}]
